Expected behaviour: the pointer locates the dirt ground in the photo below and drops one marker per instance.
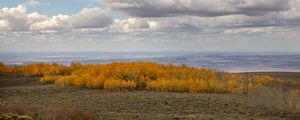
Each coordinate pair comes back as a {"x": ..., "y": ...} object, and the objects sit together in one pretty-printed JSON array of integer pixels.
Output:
[{"x": 128, "y": 105}]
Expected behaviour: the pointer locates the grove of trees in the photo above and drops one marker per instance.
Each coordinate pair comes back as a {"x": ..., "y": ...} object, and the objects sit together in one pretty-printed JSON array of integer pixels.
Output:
[{"x": 141, "y": 76}]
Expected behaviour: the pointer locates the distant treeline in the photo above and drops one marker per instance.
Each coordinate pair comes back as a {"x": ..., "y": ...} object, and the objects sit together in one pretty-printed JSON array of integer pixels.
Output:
[{"x": 142, "y": 76}]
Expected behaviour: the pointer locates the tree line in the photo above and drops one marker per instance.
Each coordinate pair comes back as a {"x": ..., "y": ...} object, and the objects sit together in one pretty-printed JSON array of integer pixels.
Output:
[{"x": 141, "y": 76}]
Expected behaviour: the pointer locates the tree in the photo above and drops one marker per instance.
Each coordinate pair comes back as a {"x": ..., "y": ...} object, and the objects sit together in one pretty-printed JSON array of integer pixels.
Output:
[{"x": 2, "y": 68}]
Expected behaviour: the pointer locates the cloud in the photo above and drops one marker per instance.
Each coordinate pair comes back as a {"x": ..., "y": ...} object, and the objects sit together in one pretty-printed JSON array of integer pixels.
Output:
[
  {"x": 201, "y": 8},
  {"x": 17, "y": 19},
  {"x": 54, "y": 23},
  {"x": 194, "y": 23},
  {"x": 157, "y": 25},
  {"x": 198, "y": 15},
  {"x": 161, "y": 15},
  {"x": 133, "y": 24},
  {"x": 31, "y": 3},
  {"x": 293, "y": 15},
  {"x": 3, "y": 25},
  {"x": 91, "y": 18}
]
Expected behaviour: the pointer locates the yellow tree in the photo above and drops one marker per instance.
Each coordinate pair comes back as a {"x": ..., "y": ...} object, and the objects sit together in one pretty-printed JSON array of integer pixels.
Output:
[{"x": 2, "y": 68}]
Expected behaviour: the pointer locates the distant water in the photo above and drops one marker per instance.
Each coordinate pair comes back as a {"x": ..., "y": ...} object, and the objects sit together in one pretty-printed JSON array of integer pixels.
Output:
[{"x": 233, "y": 62}]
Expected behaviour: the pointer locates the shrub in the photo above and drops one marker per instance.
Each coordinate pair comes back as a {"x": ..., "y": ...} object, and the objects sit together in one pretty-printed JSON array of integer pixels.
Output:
[
  {"x": 263, "y": 80},
  {"x": 48, "y": 79},
  {"x": 293, "y": 101},
  {"x": 142, "y": 75},
  {"x": 96, "y": 82},
  {"x": 276, "y": 97},
  {"x": 13, "y": 116},
  {"x": 177, "y": 85},
  {"x": 60, "y": 111},
  {"x": 114, "y": 84}
]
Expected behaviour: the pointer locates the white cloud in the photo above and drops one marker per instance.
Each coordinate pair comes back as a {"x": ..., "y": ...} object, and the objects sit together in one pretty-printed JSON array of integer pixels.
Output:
[
  {"x": 31, "y": 3},
  {"x": 157, "y": 25},
  {"x": 202, "y": 14},
  {"x": 133, "y": 24},
  {"x": 293, "y": 14},
  {"x": 3, "y": 25},
  {"x": 203, "y": 8},
  {"x": 90, "y": 18},
  {"x": 172, "y": 15},
  {"x": 55, "y": 23},
  {"x": 17, "y": 19},
  {"x": 36, "y": 17}
]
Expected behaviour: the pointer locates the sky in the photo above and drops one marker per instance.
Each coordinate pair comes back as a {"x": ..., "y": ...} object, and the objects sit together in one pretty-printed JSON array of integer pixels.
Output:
[{"x": 150, "y": 25}]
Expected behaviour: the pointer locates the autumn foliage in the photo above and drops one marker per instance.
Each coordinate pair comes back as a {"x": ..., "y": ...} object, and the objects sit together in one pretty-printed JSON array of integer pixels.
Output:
[{"x": 140, "y": 76}]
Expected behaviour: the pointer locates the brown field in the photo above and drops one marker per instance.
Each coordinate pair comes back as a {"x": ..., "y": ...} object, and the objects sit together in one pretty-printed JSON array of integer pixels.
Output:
[
  {"x": 279, "y": 75},
  {"x": 47, "y": 101}
]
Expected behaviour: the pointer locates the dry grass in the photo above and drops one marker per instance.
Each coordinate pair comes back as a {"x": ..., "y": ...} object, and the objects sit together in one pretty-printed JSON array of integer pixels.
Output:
[
  {"x": 60, "y": 112},
  {"x": 293, "y": 101},
  {"x": 12, "y": 116},
  {"x": 276, "y": 97}
]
